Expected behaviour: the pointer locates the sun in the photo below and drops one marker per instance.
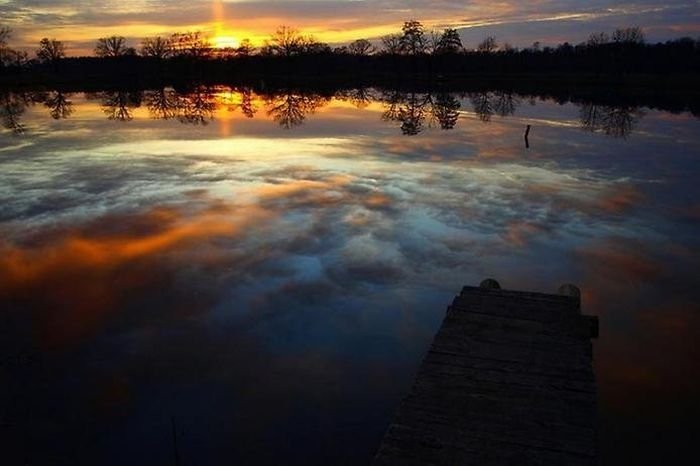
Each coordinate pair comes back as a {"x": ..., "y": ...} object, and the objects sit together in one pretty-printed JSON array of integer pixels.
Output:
[{"x": 222, "y": 42}]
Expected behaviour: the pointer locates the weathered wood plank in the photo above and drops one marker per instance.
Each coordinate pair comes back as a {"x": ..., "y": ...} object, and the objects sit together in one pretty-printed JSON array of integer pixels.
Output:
[{"x": 508, "y": 379}]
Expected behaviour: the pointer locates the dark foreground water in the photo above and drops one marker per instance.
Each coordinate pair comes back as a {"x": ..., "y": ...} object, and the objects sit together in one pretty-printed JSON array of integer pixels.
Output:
[{"x": 220, "y": 277}]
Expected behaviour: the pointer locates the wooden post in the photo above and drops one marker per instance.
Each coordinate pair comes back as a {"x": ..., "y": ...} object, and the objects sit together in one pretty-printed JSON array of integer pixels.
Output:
[{"x": 527, "y": 134}]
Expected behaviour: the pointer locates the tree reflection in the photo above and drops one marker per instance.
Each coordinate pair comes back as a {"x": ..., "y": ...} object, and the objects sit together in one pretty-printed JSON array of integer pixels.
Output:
[
  {"x": 291, "y": 109},
  {"x": 487, "y": 103},
  {"x": 413, "y": 110},
  {"x": 58, "y": 104},
  {"x": 197, "y": 106},
  {"x": 361, "y": 97},
  {"x": 242, "y": 99},
  {"x": 12, "y": 107},
  {"x": 445, "y": 109},
  {"x": 163, "y": 104},
  {"x": 119, "y": 105},
  {"x": 612, "y": 121}
]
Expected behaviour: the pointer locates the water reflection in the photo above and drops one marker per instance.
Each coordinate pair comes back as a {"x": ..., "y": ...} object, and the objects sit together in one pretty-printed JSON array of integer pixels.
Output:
[
  {"x": 119, "y": 105},
  {"x": 59, "y": 105},
  {"x": 290, "y": 109},
  {"x": 12, "y": 107},
  {"x": 611, "y": 121},
  {"x": 500, "y": 103},
  {"x": 279, "y": 287},
  {"x": 412, "y": 111}
]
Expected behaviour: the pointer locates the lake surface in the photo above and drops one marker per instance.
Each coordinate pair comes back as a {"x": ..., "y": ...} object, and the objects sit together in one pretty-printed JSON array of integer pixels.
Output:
[{"x": 224, "y": 277}]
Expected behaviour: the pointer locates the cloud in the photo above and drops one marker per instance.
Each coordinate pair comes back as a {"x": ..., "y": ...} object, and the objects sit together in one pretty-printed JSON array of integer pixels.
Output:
[{"x": 79, "y": 23}]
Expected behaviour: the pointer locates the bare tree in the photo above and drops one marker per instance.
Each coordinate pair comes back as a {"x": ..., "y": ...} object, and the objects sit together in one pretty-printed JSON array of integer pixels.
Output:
[
  {"x": 286, "y": 41},
  {"x": 631, "y": 35},
  {"x": 361, "y": 47},
  {"x": 156, "y": 47},
  {"x": 392, "y": 44},
  {"x": 597, "y": 39},
  {"x": 488, "y": 45},
  {"x": 50, "y": 50},
  {"x": 6, "y": 53},
  {"x": 5, "y": 33},
  {"x": 114, "y": 46},
  {"x": 432, "y": 42},
  {"x": 191, "y": 45}
]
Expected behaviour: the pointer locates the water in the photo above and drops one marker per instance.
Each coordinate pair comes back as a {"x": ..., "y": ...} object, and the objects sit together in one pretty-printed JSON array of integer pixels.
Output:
[{"x": 220, "y": 276}]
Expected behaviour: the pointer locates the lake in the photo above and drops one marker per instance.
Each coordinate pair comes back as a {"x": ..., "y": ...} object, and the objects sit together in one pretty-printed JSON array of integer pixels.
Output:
[{"x": 220, "y": 276}]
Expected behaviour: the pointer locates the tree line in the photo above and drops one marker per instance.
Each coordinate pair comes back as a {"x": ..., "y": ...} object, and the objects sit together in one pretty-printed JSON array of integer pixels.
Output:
[
  {"x": 413, "y": 111},
  {"x": 412, "y": 49}
]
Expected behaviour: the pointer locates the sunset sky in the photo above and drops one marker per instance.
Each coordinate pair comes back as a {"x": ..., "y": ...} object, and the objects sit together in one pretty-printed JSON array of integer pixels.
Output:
[{"x": 80, "y": 22}]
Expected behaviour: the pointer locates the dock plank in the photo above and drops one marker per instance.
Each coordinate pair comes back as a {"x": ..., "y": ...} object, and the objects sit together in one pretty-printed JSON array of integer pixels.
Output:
[{"x": 508, "y": 379}]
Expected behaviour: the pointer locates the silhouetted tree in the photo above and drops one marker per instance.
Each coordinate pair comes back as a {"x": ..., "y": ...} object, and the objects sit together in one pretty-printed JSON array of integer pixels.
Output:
[
  {"x": 245, "y": 48},
  {"x": 413, "y": 40},
  {"x": 361, "y": 47},
  {"x": 114, "y": 46},
  {"x": 286, "y": 41},
  {"x": 392, "y": 44},
  {"x": 58, "y": 104},
  {"x": 5, "y": 33},
  {"x": 156, "y": 47},
  {"x": 9, "y": 56},
  {"x": 631, "y": 35},
  {"x": 487, "y": 45},
  {"x": 449, "y": 42},
  {"x": 50, "y": 51},
  {"x": 193, "y": 45},
  {"x": 597, "y": 39}
]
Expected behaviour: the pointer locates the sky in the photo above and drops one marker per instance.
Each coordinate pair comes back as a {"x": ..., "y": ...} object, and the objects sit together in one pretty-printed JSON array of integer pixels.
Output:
[{"x": 80, "y": 22}]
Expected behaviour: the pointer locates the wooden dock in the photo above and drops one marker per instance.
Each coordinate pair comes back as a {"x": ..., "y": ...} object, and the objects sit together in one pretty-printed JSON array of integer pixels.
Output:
[{"x": 508, "y": 380}]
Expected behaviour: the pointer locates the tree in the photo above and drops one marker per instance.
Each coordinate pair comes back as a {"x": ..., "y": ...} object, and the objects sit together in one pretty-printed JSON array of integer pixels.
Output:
[
  {"x": 487, "y": 45},
  {"x": 392, "y": 44},
  {"x": 114, "y": 46},
  {"x": 5, "y": 33},
  {"x": 597, "y": 39},
  {"x": 286, "y": 41},
  {"x": 413, "y": 40},
  {"x": 245, "y": 49},
  {"x": 361, "y": 47},
  {"x": 191, "y": 45},
  {"x": 50, "y": 50},
  {"x": 632, "y": 35},
  {"x": 449, "y": 42},
  {"x": 5, "y": 51},
  {"x": 156, "y": 47}
]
